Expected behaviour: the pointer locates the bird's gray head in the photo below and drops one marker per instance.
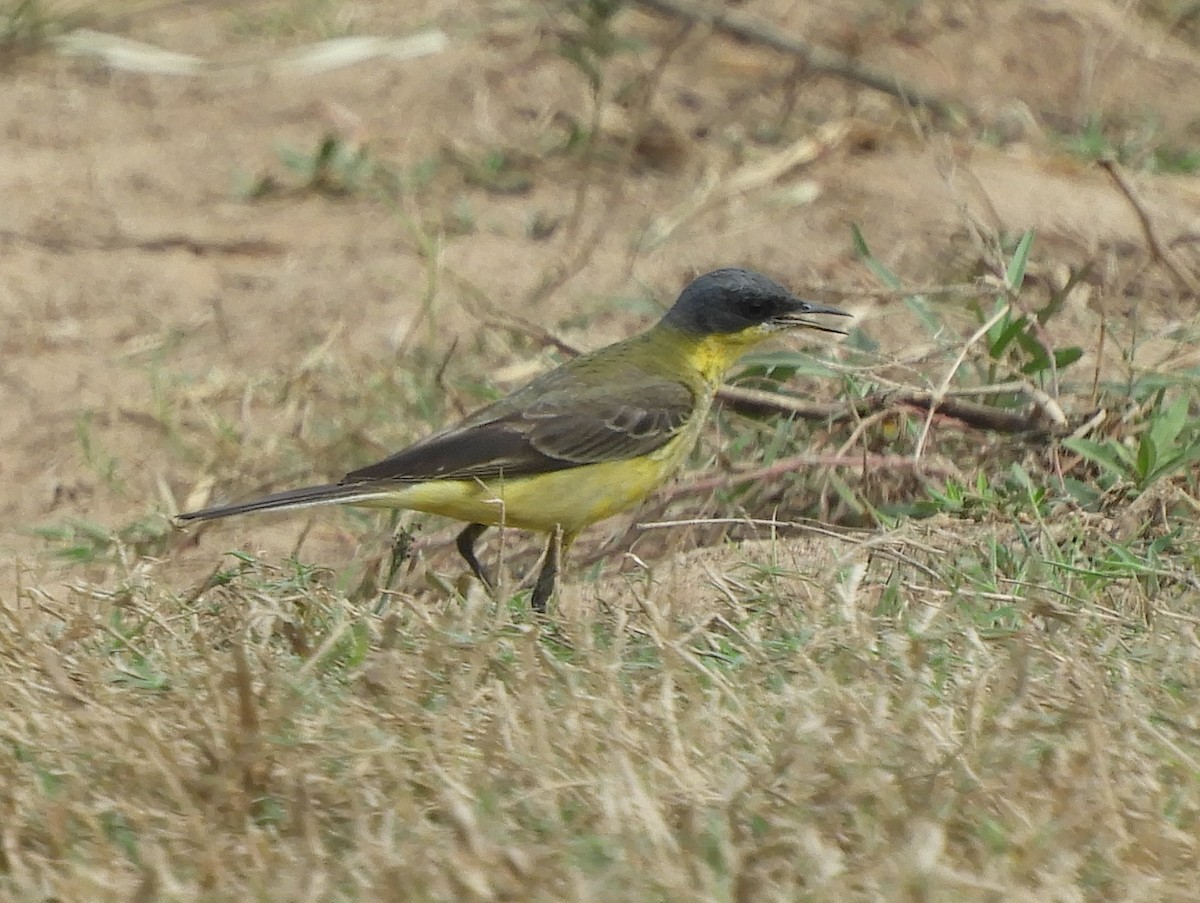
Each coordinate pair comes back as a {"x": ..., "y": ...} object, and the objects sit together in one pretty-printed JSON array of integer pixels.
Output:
[{"x": 733, "y": 300}]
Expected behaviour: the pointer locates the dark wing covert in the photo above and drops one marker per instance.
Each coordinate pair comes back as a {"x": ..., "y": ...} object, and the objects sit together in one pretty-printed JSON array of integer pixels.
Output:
[{"x": 556, "y": 430}]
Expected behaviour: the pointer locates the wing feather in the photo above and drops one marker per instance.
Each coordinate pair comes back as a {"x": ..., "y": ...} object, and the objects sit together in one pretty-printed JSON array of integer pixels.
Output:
[{"x": 544, "y": 428}]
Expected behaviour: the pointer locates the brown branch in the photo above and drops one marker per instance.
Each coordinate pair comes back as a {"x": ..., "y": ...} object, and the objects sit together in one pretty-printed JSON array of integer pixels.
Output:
[
  {"x": 757, "y": 402},
  {"x": 978, "y": 416},
  {"x": 240, "y": 247},
  {"x": 974, "y": 415},
  {"x": 1162, "y": 253},
  {"x": 494, "y": 319},
  {"x": 816, "y": 60}
]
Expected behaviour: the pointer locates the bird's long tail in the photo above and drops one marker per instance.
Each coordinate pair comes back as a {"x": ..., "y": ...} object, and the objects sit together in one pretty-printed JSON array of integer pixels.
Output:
[{"x": 306, "y": 497}]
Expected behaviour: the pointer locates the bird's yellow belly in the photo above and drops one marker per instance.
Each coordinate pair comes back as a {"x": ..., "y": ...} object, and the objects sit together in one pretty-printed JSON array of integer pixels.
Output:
[{"x": 569, "y": 499}]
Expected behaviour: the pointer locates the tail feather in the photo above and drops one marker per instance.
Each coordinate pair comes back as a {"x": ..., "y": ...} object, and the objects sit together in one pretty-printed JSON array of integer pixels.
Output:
[{"x": 291, "y": 499}]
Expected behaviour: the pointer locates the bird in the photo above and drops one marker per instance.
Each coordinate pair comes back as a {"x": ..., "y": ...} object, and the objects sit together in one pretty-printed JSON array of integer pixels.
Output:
[{"x": 584, "y": 441}]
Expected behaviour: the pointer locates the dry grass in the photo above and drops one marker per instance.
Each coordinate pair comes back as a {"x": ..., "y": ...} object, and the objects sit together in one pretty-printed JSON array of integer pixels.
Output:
[{"x": 813, "y": 720}]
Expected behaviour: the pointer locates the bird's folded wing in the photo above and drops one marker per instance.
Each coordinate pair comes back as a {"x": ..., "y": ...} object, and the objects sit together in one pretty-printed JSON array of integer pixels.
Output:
[{"x": 558, "y": 430}]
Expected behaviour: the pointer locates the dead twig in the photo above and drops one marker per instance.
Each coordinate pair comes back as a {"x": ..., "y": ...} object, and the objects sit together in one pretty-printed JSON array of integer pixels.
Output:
[
  {"x": 715, "y": 189},
  {"x": 1161, "y": 252},
  {"x": 544, "y": 337},
  {"x": 816, "y": 60},
  {"x": 978, "y": 416},
  {"x": 199, "y": 246},
  {"x": 761, "y": 401},
  {"x": 881, "y": 544},
  {"x": 940, "y": 392}
]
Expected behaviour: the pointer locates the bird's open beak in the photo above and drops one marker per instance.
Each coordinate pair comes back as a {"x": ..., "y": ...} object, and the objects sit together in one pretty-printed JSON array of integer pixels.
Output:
[{"x": 796, "y": 319}]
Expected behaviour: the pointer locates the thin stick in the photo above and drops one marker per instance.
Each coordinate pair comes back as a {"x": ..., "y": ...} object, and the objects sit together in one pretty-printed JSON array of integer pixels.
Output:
[
  {"x": 816, "y": 60},
  {"x": 1158, "y": 250},
  {"x": 958, "y": 362},
  {"x": 977, "y": 416}
]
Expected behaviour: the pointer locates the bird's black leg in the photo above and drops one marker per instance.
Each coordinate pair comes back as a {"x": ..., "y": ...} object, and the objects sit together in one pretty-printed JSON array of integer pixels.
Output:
[
  {"x": 466, "y": 547},
  {"x": 556, "y": 550}
]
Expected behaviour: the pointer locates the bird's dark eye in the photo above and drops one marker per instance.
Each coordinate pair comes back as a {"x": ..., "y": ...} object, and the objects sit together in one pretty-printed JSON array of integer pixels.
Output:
[{"x": 756, "y": 307}]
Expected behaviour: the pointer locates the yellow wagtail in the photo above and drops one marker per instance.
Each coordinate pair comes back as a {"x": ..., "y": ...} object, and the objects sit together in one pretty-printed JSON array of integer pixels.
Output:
[{"x": 582, "y": 442}]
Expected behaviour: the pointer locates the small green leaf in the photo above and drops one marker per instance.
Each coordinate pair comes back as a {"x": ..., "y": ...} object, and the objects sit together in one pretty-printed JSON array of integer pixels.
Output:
[
  {"x": 1004, "y": 333},
  {"x": 1147, "y": 458},
  {"x": 1174, "y": 464},
  {"x": 1168, "y": 423},
  {"x": 915, "y": 302},
  {"x": 1110, "y": 456},
  {"x": 886, "y": 276},
  {"x": 298, "y": 162},
  {"x": 1015, "y": 274},
  {"x": 1085, "y": 493},
  {"x": 1065, "y": 357}
]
